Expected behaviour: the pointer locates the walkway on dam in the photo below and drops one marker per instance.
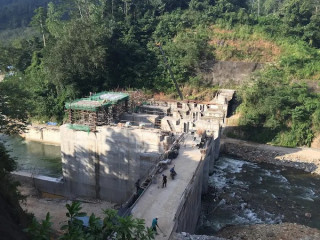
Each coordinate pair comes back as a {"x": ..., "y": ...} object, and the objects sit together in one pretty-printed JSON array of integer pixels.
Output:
[{"x": 164, "y": 202}]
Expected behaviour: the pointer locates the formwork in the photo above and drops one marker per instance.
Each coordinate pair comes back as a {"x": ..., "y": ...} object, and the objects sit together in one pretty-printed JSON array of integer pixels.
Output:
[{"x": 99, "y": 109}]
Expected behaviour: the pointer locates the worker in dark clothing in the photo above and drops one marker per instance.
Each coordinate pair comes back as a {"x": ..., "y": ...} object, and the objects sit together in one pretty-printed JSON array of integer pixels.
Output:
[
  {"x": 173, "y": 172},
  {"x": 164, "y": 181},
  {"x": 154, "y": 225},
  {"x": 138, "y": 185}
]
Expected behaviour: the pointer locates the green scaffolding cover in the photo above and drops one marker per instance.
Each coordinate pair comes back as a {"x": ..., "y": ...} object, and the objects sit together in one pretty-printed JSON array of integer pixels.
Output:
[
  {"x": 96, "y": 101},
  {"x": 79, "y": 127}
]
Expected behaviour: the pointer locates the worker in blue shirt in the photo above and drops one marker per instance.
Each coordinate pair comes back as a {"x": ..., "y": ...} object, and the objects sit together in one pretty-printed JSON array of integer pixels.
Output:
[{"x": 155, "y": 225}]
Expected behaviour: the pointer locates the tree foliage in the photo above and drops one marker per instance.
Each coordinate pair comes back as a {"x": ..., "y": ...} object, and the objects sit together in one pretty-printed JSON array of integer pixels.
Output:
[
  {"x": 112, "y": 226},
  {"x": 12, "y": 216},
  {"x": 97, "y": 45},
  {"x": 278, "y": 112}
]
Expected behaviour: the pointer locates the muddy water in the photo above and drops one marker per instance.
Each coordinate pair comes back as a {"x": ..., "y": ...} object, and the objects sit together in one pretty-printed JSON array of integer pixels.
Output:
[
  {"x": 34, "y": 157},
  {"x": 242, "y": 192}
]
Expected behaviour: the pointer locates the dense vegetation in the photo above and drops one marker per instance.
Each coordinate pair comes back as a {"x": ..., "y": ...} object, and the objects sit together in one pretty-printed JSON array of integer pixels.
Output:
[
  {"x": 12, "y": 217},
  {"x": 94, "y": 45},
  {"x": 112, "y": 226},
  {"x": 18, "y": 13}
]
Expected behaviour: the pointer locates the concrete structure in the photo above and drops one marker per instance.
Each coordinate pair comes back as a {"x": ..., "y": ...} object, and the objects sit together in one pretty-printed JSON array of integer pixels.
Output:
[
  {"x": 227, "y": 73},
  {"x": 178, "y": 205},
  {"x": 43, "y": 184},
  {"x": 43, "y": 133},
  {"x": 106, "y": 163}
]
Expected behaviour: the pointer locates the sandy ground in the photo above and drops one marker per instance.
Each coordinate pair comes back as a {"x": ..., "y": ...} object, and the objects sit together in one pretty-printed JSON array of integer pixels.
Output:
[
  {"x": 40, "y": 206},
  {"x": 304, "y": 158},
  {"x": 302, "y": 153}
]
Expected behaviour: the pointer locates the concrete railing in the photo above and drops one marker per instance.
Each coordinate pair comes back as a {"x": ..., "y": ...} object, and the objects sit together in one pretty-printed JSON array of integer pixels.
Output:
[{"x": 184, "y": 198}]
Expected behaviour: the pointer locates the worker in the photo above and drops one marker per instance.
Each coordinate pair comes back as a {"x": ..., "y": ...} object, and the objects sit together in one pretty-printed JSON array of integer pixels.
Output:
[
  {"x": 154, "y": 225},
  {"x": 138, "y": 185},
  {"x": 164, "y": 181},
  {"x": 173, "y": 172}
]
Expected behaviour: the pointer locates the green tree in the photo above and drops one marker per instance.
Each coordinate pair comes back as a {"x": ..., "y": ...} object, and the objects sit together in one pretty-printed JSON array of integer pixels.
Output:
[
  {"x": 13, "y": 108},
  {"x": 296, "y": 14},
  {"x": 111, "y": 227},
  {"x": 275, "y": 111},
  {"x": 40, "y": 231},
  {"x": 12, "y": 116},
  {"x": 38, "y": 20},
  {"x": 312, "y": 32}
]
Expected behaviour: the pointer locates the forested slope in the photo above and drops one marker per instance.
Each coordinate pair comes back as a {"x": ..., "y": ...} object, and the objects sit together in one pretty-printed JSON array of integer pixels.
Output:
[
  {"x": 95, "y": 45},
  {"x": 18, "y": 13}
]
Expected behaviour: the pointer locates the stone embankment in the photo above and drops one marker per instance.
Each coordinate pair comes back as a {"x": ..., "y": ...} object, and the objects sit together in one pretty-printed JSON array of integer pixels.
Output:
[
  {"x": 307, "y": 159},
  {"x": 284, "y": 231}
]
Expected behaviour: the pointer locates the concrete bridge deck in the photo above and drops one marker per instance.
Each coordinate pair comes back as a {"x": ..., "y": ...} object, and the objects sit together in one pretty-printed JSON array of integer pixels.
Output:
[{"x": 164, "y": 202}]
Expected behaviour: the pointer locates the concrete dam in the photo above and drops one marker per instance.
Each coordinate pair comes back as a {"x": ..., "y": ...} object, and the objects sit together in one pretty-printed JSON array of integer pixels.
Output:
[{"x": 112, "y": 140}]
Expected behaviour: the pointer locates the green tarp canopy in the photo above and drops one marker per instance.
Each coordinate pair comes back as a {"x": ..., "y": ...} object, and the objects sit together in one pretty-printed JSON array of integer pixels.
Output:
[{"x": 96, "y": 101}]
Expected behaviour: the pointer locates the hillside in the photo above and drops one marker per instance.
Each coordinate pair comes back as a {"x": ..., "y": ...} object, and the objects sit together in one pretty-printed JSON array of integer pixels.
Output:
[
  {"x": 90, "y": 46},
  {"x": 18, "y": 13},
  {"x": 239, "y": 45}
]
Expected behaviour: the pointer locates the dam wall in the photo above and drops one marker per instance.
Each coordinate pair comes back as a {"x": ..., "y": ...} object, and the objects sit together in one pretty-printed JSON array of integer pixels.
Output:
[
  {"x": 188, "y": 212},
  {"x": 43, "y": 184},
  {"x": 43, "y": 133},
  {"x": 107, "y": 163}
]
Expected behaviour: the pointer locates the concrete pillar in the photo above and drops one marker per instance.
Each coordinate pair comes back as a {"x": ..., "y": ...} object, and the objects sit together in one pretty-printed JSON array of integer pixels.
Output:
[
  {"x": 205, "y": 176},
  {"x": 217, "y": 135},
  {"x": 217, "y": 148},
  {"x": 211, "y": 156}
]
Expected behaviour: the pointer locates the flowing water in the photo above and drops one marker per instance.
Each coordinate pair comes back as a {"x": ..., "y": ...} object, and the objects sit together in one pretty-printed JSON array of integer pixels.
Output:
[
  {"x": 242, "y": 192},
  {"x": 34, "y": 157}
]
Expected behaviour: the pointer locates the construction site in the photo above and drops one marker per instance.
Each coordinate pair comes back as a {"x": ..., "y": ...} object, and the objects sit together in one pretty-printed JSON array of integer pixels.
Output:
[{"x": 113, "y": 140}]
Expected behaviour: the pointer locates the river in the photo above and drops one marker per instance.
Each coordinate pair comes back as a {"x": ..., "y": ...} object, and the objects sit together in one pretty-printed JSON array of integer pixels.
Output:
[
  {"x": 242, "y": 193},
  {"x": 34, "y": 157}
]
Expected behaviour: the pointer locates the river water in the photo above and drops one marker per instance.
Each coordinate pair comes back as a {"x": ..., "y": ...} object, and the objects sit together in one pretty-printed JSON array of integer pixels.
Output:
[
  {"x": 34, "y": 157},
  {"x": 242, "y": 193}
]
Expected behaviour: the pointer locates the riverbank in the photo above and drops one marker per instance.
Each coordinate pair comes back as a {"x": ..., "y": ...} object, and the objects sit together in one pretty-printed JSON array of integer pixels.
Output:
[
  {"x": 42, "y": 133},
  {"x": 307, "y": 159},
  {"x": 284, "y": 231}
]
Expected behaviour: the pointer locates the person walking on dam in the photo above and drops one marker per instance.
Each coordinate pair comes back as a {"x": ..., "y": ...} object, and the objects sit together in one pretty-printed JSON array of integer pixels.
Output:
[
  {"x": 164, "y": 180},
  {"x": 154, "y": 225},
  {"x": 137, "y": 185}
]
